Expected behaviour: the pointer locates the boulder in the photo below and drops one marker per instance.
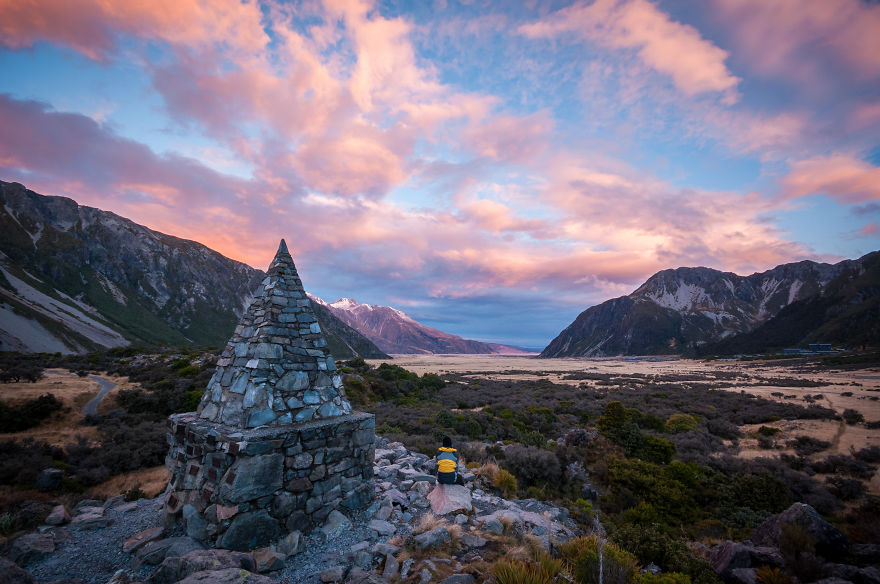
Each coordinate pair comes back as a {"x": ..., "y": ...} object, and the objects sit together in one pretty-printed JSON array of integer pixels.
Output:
[
  {"x": 196, "y": 526},
  {"x": 361, "y": 576},
  {"x": 10, "y": 573},
  {"x": 141, "y": 539},
  {"x": 450, "y": 499},
  {"x": 91, "y": 520},
  {"x": 742, "y": 576},
  {"x": 332, "y": 574},
  {"x": 494, "y": 525},
  {"x": 175, "y": 569},
  {"x": 49, "y": 479},
  {"x": 336, "y": 525},
  {"x": 155, "y": 551},
  {"x": 382, "y": 527},
  {"x": 389, "y": 572},
  {"x": 268, "y": 559},
  {"x": 734, "y": 555},
  {"x": 289, "y": 544},
  {"x": 31, "y": 547},
  {"x": 434, "y": 538},
  {"x": 58, "y": 516},
  {"x": 472, "y": 541},
  {"x": 87, "y": 503},
  {"x": 830, "y": 542},
  {"x": 226, "y": 576},
  {"x": 250, "y": 530},
  {"x": 459, "y": 579}
]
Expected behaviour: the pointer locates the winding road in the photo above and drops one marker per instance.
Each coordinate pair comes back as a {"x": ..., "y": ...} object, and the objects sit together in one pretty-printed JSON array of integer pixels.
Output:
[{"x": 91, "y": 408}]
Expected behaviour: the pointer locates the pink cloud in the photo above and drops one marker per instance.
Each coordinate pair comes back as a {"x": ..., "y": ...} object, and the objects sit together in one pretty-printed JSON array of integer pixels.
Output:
[
  {"x": 669, "y": 47},
  {"x": 845, "y": 178},
  {"x": 870, "y": 229},
  {"x": 517, "y": 139},
  {"x": 794, "y": 37},
  {"x": 90, "y": 26}
]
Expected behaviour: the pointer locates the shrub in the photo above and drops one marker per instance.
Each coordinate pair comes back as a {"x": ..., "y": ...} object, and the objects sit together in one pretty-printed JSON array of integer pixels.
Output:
[
  {"x": 768, "y": 575},
  {"x": 581, "y": 555},
  {"x": 806, "y": 445},
  {"x": 541, "y": 569},
  {"x": 28, "y": 415},
  {"x": 533, "y": 465},
  {"x": 135, "y": 493},
  {"x": 506, "y": 483},
  {"x": 192, "y": 400},
  {"x": 655, "y": 449},
  {"x": 768, "y": 431},
  {"x": 652, "y": 544},
  {"x": 680, "y": 423},
  {"x": 846, "y": 489},
  {"x": 853, "y": 417},
  {"x": 869, "y": 454}
]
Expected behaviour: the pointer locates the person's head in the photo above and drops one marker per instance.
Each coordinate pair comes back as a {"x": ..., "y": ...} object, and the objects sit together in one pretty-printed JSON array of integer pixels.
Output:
[{"x": 447, "y": 442}]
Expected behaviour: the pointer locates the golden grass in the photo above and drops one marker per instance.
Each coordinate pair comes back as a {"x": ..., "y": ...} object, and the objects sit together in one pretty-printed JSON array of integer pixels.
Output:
[
  {"x": 427, "y": 522},
  {"x": 151, "y": 481}
]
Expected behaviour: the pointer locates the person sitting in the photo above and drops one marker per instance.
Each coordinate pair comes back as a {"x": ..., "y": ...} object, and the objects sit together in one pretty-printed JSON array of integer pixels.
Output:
[{"x": 447, "y": 463}]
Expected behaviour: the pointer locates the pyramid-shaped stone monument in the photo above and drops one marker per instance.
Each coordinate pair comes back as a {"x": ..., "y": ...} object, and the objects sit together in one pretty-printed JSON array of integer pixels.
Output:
[
  {"x": 276, "y": 368},
  {"x": 274, "y": 446}
]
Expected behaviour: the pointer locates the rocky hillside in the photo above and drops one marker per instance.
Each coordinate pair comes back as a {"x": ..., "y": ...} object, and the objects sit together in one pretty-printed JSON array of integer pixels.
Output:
[
  {"x": 406, "y": 534},
  {"x": 394, "y": 331},
  {"x": 74, "y": 279},
  {"x": 684, "y": 309}
]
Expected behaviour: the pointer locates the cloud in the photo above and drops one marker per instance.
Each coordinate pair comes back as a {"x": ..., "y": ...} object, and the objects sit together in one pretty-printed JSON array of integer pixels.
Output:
[
  {"x": 669, "y": 47},
  {"x": 804, "y": 39},
  {"x": 92, "y": 26},
  {"x": 844, "y": 178}
]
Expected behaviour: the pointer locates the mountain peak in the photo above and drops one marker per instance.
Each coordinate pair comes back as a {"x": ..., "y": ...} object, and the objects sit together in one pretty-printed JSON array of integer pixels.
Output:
[{"x": 347, "y": 304}]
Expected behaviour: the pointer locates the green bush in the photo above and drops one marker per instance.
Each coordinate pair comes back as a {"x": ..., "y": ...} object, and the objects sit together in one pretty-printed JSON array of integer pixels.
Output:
[
  {"x": 192, "y": 400},
  {"x": 506, "y": 483},
  {"x": 680, "y": 423},
  {"x": 581, "y": 555}
]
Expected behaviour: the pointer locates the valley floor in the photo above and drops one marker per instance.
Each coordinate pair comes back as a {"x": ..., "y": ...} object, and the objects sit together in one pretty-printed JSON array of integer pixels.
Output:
[{"x": 784, "y": 380}]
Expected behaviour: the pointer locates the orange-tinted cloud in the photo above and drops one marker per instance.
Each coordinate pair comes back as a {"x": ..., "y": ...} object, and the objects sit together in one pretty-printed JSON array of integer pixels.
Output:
[
  {"x": 669, "y": 47},
  {"x": 844, "y": 178}
]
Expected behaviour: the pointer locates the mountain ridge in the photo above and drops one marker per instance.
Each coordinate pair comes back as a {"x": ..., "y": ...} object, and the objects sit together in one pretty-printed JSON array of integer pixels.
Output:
[
  {"x": 692, "y": 309},
  {"x": 75, "y": 278},
  {"x": 394, "y": 331}
]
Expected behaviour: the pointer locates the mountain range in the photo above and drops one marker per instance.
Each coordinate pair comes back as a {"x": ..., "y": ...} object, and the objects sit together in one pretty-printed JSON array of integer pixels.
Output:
[
  {"x": 74, "y": 278},
  {"x": 394, "y": 331},
  {"x": 702, "y": 311}
]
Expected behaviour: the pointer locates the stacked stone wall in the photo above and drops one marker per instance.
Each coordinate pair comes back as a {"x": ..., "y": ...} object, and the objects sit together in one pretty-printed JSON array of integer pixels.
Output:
[{"x": 245, "y": 488}]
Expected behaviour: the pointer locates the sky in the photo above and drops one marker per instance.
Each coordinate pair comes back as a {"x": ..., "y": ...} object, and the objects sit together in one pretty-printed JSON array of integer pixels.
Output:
[{"x": 490, "y": 168}]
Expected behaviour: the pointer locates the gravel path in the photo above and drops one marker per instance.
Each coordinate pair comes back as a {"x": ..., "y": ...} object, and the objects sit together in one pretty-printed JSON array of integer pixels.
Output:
[{"x": 95, "y": 555}]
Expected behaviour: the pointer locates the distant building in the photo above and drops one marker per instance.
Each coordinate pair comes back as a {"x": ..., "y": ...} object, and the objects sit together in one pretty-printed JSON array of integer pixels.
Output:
[{"x": 821, "y": 348}]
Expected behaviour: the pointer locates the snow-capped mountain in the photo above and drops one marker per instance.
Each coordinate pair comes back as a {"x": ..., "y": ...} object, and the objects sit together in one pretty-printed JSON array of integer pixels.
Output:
[
  {"x": 75, "y": 278},
  {"x": 394, "y": 331},
  {"x": 687, "y": 308}
]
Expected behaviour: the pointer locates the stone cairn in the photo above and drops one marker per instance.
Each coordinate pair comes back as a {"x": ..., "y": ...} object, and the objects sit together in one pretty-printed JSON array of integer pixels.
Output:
[{"x": 274, "y": 446}]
